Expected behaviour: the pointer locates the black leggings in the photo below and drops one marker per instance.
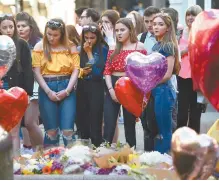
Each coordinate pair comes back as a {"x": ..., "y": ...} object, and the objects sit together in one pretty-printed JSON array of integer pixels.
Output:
[
  {"x": 188, "y": 108},
  {"x": 89, "y": 114},
  {"x": 111, "y": 111}
]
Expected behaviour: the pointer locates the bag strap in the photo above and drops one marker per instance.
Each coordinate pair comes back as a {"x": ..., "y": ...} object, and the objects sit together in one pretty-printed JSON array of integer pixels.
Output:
[{"x": 143, "y": 37}]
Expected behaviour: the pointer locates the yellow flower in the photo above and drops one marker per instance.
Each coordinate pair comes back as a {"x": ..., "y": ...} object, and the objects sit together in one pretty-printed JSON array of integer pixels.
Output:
[
  {"x": 133, "y": 166},
  {"x": 49, "y": 164},
  {"x": 133, "y": 161},
  {"x": 132, "y": 157},
  {"x": 27, "y": 172},
  {"x": 57, "y": 171}
]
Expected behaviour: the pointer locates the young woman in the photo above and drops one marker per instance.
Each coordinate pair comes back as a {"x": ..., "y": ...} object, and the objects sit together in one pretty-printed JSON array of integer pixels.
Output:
[
  {"x": 164, "y": 94},
  {"x": 90, "y": 89},
  {"x": 187, "y": 98},
  {"x": 126, "y": 42},
  {"x": 29, "y": 31},
  {"x": 137, "y": 21},
  {"x": 108, "y": 21},
  {"x": 20, "y": 74},
  {"x": 56, "y": 66}
]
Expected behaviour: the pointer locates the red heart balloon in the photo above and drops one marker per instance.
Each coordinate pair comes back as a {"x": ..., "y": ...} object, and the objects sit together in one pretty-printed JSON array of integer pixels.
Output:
[
  {"x": 129, "y": 96},
  {"x": 204, "y": 55},
  {"x": 13, "y": 104}
]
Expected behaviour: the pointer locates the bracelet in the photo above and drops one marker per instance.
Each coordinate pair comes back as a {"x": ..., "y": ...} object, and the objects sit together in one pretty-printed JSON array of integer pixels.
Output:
[
  {"x": 67, "y": 93},
  {"x": 110, "y": 88}
]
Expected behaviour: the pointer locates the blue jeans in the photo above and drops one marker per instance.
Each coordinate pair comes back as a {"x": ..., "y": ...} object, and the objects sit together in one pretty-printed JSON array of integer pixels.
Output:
[
  {"x": 57, "y": 116},
  {"x": 5, "y": 85},
  {"x": 164, "y": 97}
]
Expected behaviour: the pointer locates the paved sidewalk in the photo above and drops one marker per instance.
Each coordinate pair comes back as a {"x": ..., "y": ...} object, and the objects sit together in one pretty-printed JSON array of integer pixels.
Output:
[{"x": 207, "y": 121}]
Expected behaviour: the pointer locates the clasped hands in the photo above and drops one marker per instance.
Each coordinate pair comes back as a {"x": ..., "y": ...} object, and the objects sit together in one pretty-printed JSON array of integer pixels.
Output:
[{"x": 57, "y": 96}]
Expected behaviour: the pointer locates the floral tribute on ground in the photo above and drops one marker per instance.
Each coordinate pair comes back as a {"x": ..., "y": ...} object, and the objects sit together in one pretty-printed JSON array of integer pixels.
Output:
[{"x": 115, "y": 159}]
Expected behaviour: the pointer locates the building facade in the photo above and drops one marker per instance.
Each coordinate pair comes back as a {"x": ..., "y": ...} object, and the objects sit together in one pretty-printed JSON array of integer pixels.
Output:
[{"x": 182, "y": 5}]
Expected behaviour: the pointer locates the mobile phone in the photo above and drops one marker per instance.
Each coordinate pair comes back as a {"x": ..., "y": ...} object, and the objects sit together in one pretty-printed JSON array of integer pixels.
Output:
[{"x": 87, "y": 67}]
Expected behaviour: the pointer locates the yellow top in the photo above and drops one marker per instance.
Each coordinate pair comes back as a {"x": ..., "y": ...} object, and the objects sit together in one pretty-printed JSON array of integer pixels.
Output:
[{"x": 63, "y": 62}]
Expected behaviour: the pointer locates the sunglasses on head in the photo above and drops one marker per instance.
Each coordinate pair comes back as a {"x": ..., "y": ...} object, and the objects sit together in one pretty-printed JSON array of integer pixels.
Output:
[
  {"x": 5, "y": 15},
  {"x": 54, "y": 24},
  {"x": 90, "y": 28}
]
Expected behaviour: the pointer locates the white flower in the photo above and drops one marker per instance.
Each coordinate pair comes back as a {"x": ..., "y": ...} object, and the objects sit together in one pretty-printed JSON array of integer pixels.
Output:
[
  {"x": 16, "y": 166},
  {"x": 153, "y": 158},
  {"x": 31, "y": 167},
  {"x": 79, "y": 154},
  {"x": 33, "y": 162},
  {"x": 123, "y": 167},
  {"x": 71, "y": 169}
]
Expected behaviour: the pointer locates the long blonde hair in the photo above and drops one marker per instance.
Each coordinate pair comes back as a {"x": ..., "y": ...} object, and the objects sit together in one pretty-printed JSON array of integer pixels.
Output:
[
  {"x": 170, "y": 39},
  {"x": 63, "y": 39},
  {"x": 132, "y": 34}
]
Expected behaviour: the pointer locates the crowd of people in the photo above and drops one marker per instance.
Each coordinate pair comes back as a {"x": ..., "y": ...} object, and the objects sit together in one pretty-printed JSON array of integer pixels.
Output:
[{"x": 69, "y": 73}]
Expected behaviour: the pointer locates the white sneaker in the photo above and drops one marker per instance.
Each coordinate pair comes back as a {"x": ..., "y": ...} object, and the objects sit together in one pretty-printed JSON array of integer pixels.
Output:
[{"x": 26, "y": 151}]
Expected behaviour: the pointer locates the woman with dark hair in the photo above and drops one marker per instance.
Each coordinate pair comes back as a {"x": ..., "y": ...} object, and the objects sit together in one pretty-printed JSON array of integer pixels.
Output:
[
  {"x": 56, "y": 66},
  {"x": 107, "y": 26},
  {"x": 73, "y": 35},
  {"x": 29, "y": 31},
  {"x": 20, "y": 74},
  {"x": 90, "y": 90},
  {"x": 126, "y": 43},
  {"x": 108, "y": 21}
]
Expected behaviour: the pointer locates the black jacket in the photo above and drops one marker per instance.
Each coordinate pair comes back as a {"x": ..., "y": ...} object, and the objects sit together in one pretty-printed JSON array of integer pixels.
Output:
[{"x": 21, "y": 73}]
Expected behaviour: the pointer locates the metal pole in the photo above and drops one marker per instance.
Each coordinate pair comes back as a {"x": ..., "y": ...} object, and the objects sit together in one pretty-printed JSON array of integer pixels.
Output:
[
  {"x": 6, "y": 157},
  {"x": 21, "y": 5}
]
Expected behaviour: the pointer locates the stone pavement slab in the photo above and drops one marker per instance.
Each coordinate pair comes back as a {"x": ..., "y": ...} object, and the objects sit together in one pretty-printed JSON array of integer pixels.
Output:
[{"x": 72, "y": 177}]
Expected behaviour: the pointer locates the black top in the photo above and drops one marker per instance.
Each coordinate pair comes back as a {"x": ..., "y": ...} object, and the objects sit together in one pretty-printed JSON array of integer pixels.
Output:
[{"x": 21, "y": 73}]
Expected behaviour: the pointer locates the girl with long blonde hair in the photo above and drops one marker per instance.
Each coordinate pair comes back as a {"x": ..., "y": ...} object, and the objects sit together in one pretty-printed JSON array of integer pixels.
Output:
[
  {"x": 164, "y": 94},
  {"x": 56, "y": 65}
]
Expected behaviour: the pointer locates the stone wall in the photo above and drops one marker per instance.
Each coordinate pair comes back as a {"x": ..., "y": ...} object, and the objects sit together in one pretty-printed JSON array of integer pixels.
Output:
[{"x": 99, "y": 5}]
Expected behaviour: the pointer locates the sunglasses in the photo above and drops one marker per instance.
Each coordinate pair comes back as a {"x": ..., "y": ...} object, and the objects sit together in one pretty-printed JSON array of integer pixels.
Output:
[
  {"x": 54, "y": 24},
  {"x": 6, "y": 15},
  {"x": 90, "y": 28}
]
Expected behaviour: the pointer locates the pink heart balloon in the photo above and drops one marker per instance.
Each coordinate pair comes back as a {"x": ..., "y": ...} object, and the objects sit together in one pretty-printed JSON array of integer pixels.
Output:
[
  {"x": 194, "y": 156},
  {"x": 146, "y": 71}
]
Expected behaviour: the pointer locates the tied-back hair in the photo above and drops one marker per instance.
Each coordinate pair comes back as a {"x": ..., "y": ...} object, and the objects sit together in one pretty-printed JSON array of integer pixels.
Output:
[
  {"x": 169, "y": 41},
  {"x": 100, "y": 43},
  {"x": 112, "y": 15},
  {"x": 73, "y": 35},
  {"x": 63, "y": 39},
  {"x": 133, "y": 37},
  {"x": 15, "y": 38},
  {"x": 140, "y": 26},
  {"x": 35, "y": 34}
]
